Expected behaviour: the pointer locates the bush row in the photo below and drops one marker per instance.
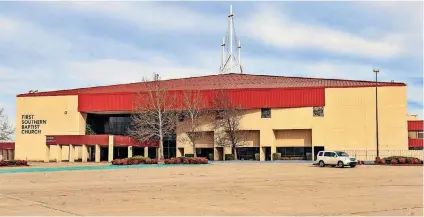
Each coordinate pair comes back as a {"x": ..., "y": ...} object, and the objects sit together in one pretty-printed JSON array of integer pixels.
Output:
[
  {"x": 398, "y": 160},
  {"x": 187, "y": 160},
  {"x": 13, "y": 163},
  {"x": 134, "y": 160}
]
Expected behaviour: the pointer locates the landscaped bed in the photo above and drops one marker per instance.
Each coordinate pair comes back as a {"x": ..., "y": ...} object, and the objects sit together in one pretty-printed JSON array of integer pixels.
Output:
[
  {"x": 134, "y": 160},
  {"x": 13, "y": 163},
  {"x": 145, "y": 160},
  {"x": 399, "y": 161},
  {"x": 187, "y": 160}
]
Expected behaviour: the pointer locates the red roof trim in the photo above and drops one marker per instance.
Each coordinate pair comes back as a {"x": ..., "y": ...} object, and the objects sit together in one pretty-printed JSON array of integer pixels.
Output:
[{"x": 416, "y": 125}]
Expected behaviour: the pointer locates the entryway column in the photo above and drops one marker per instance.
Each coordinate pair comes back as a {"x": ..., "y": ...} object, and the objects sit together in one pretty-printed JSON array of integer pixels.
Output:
[
  {"x": 110, "y": 157},
  {"x": 130, "y": 151},
  {"x": 59, "y": 153},
  {"x": 146, "y": 151},
  {"x": 71, "y": 153},
  {"x": 97, "y": 154},
  {"x": 262, "y": 153},
  {"x": 47, "y": 157},
  {"x": 84, "y": 153},
  {"x": 273, "y": 150}
]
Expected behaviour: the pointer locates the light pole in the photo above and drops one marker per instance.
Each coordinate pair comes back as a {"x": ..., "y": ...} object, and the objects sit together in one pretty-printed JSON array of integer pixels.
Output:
[{"x": 376, "y": 71}]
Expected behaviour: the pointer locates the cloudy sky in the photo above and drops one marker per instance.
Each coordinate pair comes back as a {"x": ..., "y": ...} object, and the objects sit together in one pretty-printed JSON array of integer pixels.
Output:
[{"x": 59, "y": 45}]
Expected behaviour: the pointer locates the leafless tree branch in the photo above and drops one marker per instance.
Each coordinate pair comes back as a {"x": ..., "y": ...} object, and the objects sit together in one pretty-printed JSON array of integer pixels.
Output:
[
  {"x": 6, "y": 129},
  {"x": 192, "y": 113},
  {"x": 227, "y": 122},
  {"x": 154, "y": 116}
]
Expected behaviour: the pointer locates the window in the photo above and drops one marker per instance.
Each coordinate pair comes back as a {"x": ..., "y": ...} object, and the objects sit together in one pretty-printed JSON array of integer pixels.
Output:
[
  {"x": 218, "y": 115},
  {"x": 420, "y": 135},
  {"x": 303, "y": 152},
  {"x": 320, "y": 154},
  {"x": 265, "y": 113},
  {"x": 327, "y": 154},
  {"x": 181, "y": 117},
  {"x": 318, "y": 111}
]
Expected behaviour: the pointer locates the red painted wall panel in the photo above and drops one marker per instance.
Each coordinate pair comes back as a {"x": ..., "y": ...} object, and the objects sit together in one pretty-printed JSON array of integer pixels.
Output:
[
  {"x": 416, "y": 125},
  {"x": 415, "y": 143},
  {"x": 128, "y": 141},
  {"x": 7, "y": 145},
  {"x": 247, "y": 98},
  {"x": 77, "y": 139},
  {"x": 102, "y": 140}
]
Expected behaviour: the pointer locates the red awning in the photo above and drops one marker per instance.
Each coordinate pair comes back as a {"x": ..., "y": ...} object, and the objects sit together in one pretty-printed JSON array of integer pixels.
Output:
[
  {"x": 416, "y": 125},
  {"x": 415, "y": 143}
]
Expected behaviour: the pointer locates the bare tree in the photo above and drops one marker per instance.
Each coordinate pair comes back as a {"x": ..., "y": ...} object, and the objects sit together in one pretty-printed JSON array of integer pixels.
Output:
[
  {"x": 154, "y": 117},
  {"x": 6, "y": 130},
  {"x": 227, "y": 122},
  {"x": 193, "y": 112}
]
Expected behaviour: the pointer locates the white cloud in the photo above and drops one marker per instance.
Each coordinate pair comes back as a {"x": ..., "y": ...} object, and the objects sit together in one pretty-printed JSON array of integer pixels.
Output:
[
  {"x": 26, "y": 37},
  {"x": 155, "y": 16},
  {"x": 115, "y": 71},
  {"x": 7, "y": 27},
  {"x": 273, "y": 28}
]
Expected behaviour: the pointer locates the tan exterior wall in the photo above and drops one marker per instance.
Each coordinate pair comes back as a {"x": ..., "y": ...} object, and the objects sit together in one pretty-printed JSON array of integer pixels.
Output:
[
  {"x": 293, "y": 138},
  {"x": 251, "y": 138},
  {"x": 62, "y": 118},
  {"x": 349, "y": 121},
  {"x": 206, "y": 140}
]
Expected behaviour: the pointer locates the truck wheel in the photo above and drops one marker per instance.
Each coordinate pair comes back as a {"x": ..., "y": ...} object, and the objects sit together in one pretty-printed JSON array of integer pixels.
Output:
[
  {"x": 321, "y": 163},
  {"x": 340, "y": 164}
]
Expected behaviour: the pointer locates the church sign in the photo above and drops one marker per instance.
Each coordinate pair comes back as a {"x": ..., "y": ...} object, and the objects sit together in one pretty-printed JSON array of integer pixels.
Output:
[{"x": 30, "y": 125}]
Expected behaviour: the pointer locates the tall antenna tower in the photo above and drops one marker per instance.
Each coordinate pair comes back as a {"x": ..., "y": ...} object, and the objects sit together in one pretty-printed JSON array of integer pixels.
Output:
[{"x": 230, "y": 63}]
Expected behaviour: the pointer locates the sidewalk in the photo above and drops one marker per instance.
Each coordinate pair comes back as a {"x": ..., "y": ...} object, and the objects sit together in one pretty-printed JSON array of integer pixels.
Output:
[{"x": 263, "y": 162}]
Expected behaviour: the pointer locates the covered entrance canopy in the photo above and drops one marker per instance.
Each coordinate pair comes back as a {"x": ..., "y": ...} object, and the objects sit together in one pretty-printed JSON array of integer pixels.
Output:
[{"x": 89, "y": 142}]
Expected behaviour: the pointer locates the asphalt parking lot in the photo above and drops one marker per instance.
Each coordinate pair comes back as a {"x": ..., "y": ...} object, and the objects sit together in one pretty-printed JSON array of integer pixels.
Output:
[{"x": 218, "y": 189}]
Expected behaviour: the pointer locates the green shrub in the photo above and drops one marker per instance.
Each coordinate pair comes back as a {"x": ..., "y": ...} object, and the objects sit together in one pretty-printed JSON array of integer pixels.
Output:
[
  {"x": 276, "y": 156},
  {"x": 229, "y": 157},
  {"x": 189, "y": 155},
  {"x": 211, "y": 156},
  {"x": 257, "y": 156}
]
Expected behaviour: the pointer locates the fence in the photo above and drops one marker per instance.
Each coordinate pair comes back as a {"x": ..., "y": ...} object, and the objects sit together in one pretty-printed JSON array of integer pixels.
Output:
[{"x": 370, "y": 155}]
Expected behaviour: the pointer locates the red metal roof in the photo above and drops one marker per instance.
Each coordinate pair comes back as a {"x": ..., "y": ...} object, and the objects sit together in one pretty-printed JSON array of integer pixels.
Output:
[
  {"x": 245, "y": 98},
  {"x": 7, "y": 145},
  {"x": 415, "y": 143},
  {"x": 223, "y": 81},
  {"x": 416, "y": 125}
]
